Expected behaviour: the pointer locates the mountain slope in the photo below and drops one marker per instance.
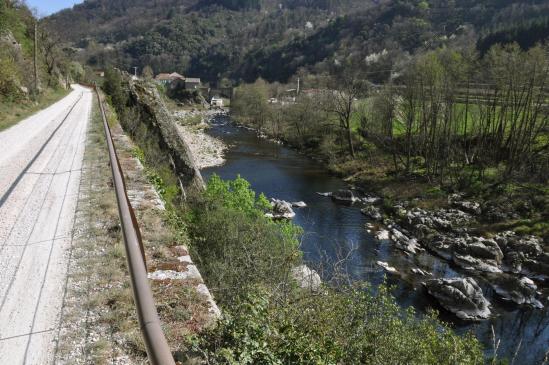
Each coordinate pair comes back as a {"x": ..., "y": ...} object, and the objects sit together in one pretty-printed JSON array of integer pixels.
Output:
[{"x": 245, "y": 39}]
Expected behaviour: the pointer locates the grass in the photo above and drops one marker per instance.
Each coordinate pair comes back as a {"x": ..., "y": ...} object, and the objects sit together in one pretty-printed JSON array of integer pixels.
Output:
[
  {"x": 99, "y": 300},
  {"x": 12, "y": 113}
]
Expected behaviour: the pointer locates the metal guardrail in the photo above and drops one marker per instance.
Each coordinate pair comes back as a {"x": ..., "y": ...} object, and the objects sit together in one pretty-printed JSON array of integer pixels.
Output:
[{"x": 158, "y": 350}]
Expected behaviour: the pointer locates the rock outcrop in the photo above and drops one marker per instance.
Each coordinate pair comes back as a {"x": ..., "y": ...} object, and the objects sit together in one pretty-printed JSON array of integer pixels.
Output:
[
  {"x": 281, "y": 210},
  {"x": 461, "y": 296},
  {"x": 520, "y": 291},
  {"x": 148, "y": 107},
  {"x": 372, "y": 212},
  {"x": 524, "y": 255},
  {"x": 345, "y": 196},
  {"x": 404, "y": 242},
  {"x": 459, "y": 202}
]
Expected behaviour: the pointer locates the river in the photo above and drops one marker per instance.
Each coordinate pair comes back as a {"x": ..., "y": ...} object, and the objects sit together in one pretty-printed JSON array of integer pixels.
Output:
[{"x": 335, "y": 231}]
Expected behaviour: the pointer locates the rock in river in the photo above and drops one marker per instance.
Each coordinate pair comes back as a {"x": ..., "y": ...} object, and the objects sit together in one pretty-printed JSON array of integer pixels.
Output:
[
  {"x": 345, "y": 195},
  {"x": 523, "y": 254},
  {"x": 281, "y": 210},
  {"x": 461, "y": 296},
  {"x": 299, "y": 204},
  {"x": 520, "y": 291},
  {"x": 387, "y": 267},
  {"x": 469, "y": 252},
  {"x": 477, "y": 253},
  {"x": 372, "y": 212},
  {"x": 405, "y": 243}
]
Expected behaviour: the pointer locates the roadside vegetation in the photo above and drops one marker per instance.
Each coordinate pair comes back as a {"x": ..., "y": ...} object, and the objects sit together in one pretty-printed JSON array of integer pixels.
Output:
[
  {"x": 22, "y": 91},
  {"x": 15, "y": 111},
  {"x": 247, "y": 259}
]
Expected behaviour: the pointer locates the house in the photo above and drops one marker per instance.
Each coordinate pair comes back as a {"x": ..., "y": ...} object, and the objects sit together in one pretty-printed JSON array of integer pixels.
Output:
[
  {"x": 216, "y": 102},
  {"x": 166, "y": 79},
  {"x": 192, "y": 83}
]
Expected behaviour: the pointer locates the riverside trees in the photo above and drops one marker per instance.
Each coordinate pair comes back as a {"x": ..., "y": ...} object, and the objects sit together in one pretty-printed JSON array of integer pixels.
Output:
[
  {"x": 464, "y": 114},
  {"x": 449, "y": 115}
]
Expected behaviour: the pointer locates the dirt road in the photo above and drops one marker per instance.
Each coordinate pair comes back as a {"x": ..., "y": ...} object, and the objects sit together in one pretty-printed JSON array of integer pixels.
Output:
[{"x": 40, "y": 169}]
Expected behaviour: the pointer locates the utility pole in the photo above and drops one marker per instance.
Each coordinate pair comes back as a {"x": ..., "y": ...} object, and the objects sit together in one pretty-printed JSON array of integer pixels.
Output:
[{"x": 36, "y": 57}]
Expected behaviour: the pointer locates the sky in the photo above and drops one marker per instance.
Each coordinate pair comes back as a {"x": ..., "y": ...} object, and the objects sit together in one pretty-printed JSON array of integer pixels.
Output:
[{"x": 47, "y": 7}]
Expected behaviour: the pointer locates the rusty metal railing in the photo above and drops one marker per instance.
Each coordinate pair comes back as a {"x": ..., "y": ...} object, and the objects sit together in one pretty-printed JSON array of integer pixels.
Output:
[{"x": 158, "y": 350}]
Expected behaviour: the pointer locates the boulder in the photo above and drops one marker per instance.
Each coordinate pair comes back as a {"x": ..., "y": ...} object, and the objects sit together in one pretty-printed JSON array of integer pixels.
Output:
[
  {"x": 345, "y": 196},
  {"x": 538, "y": 268},
  {"x": 425, "y": 223},
  {"x": 420, "y": 272},
  {"x": 512, "y": 262},
  {"x": 477, "y": 253},
  {"x": 498, "y": 211},
  {"x": 518, "y": 290},
  {"x": 509, "y": 241},
  {"x": 387, "y": 268},
  {"x": 369, "y": 199},
  {"x": 382, "y": 235},
  {"x": 468, "y": 252},
  {"x": 472, "y": 263},
  {"x": 299, "y": 204},
  {"x": 281, "y": 210},
  {"x": 405, "y": 243},
  {"x": 459, "y": 202},
  {"x": 523, "y": 254},
  {"x": 372, "y": 212},
  {"x": 306, "y": 277},
  {"x": 442, "y": 246},
  {"x": 461, "y": 296}
]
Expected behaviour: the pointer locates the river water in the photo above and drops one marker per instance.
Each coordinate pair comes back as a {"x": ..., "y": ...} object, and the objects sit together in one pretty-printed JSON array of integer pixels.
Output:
[{"x": 335, "y": 231}]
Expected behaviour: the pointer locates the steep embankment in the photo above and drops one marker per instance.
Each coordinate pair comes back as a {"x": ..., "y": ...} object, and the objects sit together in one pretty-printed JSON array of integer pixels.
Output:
[{"x": 145, "y": 103}]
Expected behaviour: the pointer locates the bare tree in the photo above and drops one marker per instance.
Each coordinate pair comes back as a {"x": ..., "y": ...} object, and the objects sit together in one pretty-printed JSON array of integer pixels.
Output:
[{"x": 348, "y": 86}]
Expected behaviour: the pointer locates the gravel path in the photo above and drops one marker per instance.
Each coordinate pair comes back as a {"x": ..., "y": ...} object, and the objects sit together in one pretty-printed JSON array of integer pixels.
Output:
[{"x": 40, "y": 164}]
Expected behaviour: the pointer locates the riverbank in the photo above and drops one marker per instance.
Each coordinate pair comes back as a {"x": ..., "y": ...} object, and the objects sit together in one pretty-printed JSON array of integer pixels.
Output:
[
  {"x": 494, "y": 233},
  {"x": 336, "y": 232},
  {"x": 207, "y": 151}
]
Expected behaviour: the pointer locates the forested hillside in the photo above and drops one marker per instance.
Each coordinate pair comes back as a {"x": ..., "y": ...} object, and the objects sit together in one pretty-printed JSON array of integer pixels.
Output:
[{"x": 245, "y": 39}]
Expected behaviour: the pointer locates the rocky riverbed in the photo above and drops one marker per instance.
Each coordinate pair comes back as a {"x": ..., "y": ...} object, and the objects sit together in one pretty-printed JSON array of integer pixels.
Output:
[
  {"x": 515, "y": 266},
  {"x": 192, "y": 124}
]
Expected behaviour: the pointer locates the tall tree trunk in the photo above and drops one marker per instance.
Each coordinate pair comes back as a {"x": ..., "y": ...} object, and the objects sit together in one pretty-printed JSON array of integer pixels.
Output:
[{"x": 350, "y": 140}]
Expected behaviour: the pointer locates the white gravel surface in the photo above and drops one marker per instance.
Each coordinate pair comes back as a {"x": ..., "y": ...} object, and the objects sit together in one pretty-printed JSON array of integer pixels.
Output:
[{"x": 40, "y": 169}]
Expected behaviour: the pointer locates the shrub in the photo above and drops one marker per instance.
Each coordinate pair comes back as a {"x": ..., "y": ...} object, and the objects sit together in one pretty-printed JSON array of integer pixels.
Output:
[
  {"x": 349, "y": 326},
  {"x": 9, "y": 89},
  {"x": 236, "y": 246}
]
